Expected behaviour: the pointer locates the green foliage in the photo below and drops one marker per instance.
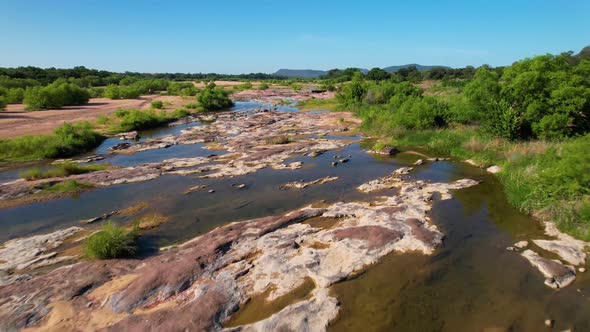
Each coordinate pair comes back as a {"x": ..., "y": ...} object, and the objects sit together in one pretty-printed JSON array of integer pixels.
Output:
[
  {"x": 243, "y": 86},
  {"x": 548, "y": 95},
  {"x": 68, "y": 186},
  {"x": 12, "y": 95},
  {"x": 182, "y": 89},
  {"x": 263, "y": 86},
  {"x": 61, "y": 170},
  {"x": 134, "y": 119},
  {"x": 318, "y": 104},
  {"x": 556, "y": 179},
  {"x": 352, "y": 93},
  {"x": 328, "y": 86},
  {"x": 157, "y": 104},
  {"x": 503, "y": 121},
  {"x": 2, "y": 103},
  {"x": 377, "y": 74},
  {"x": 55, "y": 95},
  {"x": 96, "y": 92},
  {"x": 213, "y": 99},
  {"x": 111, "y": 242},
  {"x": 121, "y": 92},
  {"x": 66, "y": 141}
]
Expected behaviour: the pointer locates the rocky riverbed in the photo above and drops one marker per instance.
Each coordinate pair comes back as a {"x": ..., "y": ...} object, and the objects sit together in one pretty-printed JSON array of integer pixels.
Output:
[
  {"x": 282, "y": 220},
  {"x": 200, "y": 284},
  {"x": 252, "y": 140}
]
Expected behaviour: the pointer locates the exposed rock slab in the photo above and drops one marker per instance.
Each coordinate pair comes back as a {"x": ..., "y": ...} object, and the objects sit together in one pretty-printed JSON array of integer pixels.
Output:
[
  {"x": 557, "y": 275},
  {"x": 21, "y": 253},
  {"x": 566, "y": 250}
]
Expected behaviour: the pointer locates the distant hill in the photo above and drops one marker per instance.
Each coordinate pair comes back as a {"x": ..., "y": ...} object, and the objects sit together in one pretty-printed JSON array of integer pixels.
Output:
[
  {"x": 394, "y": 69},
  {"x": 584, "y": 53},
  {"x": 303, "y": 73},
  {"x": 312, "y": 73}
]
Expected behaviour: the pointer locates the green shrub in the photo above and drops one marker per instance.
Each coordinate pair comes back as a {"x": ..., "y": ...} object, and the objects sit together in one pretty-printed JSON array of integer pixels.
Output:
[
  {"x": 213, "y": 99},
  {"x": 66, "y": 141},
  {"x": 2, "y": 103},
  {"x": 263, "y": 86},
  {"x": 111, "y": 242},
  {"x": 122, "y": 92},
  {"x": 134, "y": 119},
  {"x": 503, "y": 121},
  {"x": 157, "y": 104},
  {"x": 182, "y": 89},
  {"x": 96, "y": 92},
  {"x": 14, "y": 95},
  {"x": 55, "y": 95}
]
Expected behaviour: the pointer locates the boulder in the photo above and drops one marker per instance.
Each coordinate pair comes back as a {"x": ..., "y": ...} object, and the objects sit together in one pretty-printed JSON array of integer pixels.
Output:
[{"x": 389, "y": 150}]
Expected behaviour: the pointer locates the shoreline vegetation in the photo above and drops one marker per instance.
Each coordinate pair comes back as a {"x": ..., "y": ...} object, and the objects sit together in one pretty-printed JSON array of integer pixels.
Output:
[{"x": 531, "y": 118}]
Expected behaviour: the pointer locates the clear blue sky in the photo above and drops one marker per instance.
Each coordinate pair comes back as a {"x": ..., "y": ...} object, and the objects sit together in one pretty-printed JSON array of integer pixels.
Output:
[{"x": 262, "y": 35}]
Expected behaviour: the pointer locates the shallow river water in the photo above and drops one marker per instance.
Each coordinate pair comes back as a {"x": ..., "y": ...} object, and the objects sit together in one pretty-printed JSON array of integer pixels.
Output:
[{"x": 472, "y": 283}]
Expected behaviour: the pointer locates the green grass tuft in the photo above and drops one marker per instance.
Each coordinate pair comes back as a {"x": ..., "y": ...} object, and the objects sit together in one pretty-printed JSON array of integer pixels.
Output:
[{"x": 111, "y": 242}]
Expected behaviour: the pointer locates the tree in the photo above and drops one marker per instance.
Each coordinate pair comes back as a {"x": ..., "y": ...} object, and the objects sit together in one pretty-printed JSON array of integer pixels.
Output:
[
  {"x": 213, "y": 99},
  {"x": 377, "y": 74}
]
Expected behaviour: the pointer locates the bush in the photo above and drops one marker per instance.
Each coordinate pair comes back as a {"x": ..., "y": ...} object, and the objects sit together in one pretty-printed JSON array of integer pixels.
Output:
[
  {"x": 122, "y": 92},
  {"x": 157, "y": 104},
  {"x": 548, "y": 95},
  {"x": 503, "y": 121},
  {"x": 213, "y": 99},
  {"x": 2, "y": 103},
  {"x": 263, "y": 86},
  {"x": 134, "y": 119},
  {"x": 182, "y": 89},
  {"x": 55, "y": 95},
  {"x": 66, "y": 141},
  {"x": 96, "y": 92},
  {"x": 111, "y": 242},
  {"x": 14, "y": 95}
]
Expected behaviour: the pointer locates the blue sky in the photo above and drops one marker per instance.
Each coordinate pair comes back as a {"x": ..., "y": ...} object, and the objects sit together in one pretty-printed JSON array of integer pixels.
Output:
[{"x": 232, "y": 36}]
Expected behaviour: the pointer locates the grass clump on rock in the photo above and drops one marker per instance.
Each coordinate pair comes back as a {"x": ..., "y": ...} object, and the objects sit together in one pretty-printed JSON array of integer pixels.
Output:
[
  {"x": 283, "y": 139},
  {"x": 112, "y": 242},
  {"x": 61, "y": 170},
  {"x": 68, "y": 186}
]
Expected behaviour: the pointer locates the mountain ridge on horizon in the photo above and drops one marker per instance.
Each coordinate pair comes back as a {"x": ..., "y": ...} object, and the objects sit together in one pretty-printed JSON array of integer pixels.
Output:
[{"x": 314, "y": 73}]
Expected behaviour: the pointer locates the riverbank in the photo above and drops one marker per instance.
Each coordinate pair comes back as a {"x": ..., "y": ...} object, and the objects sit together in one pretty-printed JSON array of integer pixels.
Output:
[{"x": 545, "y": 179}]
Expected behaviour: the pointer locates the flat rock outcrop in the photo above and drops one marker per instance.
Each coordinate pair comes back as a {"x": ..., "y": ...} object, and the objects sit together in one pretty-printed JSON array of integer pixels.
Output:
[{"x": 200, "y": 284}]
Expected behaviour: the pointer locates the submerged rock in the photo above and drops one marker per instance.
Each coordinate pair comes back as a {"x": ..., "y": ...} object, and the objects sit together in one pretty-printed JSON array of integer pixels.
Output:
[{"x": 301, "y": 184}]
